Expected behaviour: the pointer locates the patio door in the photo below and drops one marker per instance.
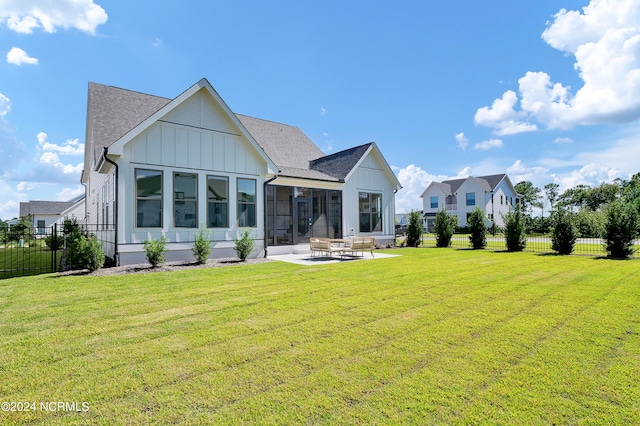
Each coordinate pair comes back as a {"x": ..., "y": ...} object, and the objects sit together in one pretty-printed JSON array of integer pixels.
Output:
[{"x": 302, "y": 220}]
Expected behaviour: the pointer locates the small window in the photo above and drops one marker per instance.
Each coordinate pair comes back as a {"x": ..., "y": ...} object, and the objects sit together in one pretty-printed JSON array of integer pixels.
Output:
[
  {"x": 217, "y": 202},
  {"x": 185, "y": 200},
  {"x": 246, "y": 202},
  {"x": 434, "y": 202},
  {"x": 471, "y": 198},
  {"x": 501, "y": 200},
  {"x": 148, "y": 198}
]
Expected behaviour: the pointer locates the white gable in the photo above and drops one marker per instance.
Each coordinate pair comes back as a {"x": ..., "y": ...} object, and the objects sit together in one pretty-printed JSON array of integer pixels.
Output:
[{"x": 202, "y": 112}]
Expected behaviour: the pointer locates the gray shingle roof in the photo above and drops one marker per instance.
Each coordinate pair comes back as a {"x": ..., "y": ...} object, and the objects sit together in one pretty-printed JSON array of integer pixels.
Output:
[
  {"x": 340, "y": 163},
  {"x": 112, "y": 112},
  {"x": 492, "y": 180},
  {"x": 44, "y": 207}
]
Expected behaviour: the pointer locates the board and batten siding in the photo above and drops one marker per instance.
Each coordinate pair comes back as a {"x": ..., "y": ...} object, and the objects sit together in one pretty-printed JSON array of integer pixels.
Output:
[
  {"x": 197, "y": 137},
  {"x": 368, "y": 177}
]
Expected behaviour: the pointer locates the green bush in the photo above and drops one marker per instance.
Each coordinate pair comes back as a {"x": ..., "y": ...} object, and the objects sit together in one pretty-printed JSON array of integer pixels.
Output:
[
  {"x": 445, "y": 225},
  {"x": 202, "y": 246},
  {"x": 477, "y": 229},
  {"x": 590, "y": 224},
  {"x": 244, "y": 245},
  {"x": 563, "y": 233},
  {"x": 514, "y": 229},
  {"x": 54, "y": 242},
  {"x": 156, "y": 251},
  {"x": 414, "y": 229},
  {"x": 88, "y": 253},
  {"x": 621, "y": 229}
]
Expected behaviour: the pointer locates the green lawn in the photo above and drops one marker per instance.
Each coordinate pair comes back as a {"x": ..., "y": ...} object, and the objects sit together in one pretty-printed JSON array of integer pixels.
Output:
[
  {"x": 435, "y": 336},
  {"x": 20, "y": 261}
]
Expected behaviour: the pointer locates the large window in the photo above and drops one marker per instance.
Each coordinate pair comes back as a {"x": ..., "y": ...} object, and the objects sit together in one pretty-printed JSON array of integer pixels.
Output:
[
  {"x": 434, "y": 202},
  {"x": 185, "y": 200},
  {"x": 148, "y": 198},
  {"x": 370, "y": 207},
  {"x": 246, "y": 202},
  {"x": 217, "y": 202},
  {"x": 471, "y": 198}
]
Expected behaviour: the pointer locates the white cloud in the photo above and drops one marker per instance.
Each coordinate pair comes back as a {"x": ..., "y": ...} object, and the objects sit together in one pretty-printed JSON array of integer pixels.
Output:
[
  {"x": 51, "y": 159},
  {"x": 67, "y": 194},
  {"x": 323, "y": 111},
  {"x": 18, "y": 57},
  {"x": 489, "y": 144},
  {"x": 27, "y": 186},
  {"x": 563, "y": 140},
  {"x": 157, "y": 42},
  {"x": 518, "y": 172},
  {"x": 9, "y": 201},
  {"x": 5, "y": 106},
  {"x": 502, "y": 116},
  {"x": 23, "y": 16},
  {"x": 604, "y": 39},
  {"x": 463, "y": 141},
  {"x": 71, "y": 147}
]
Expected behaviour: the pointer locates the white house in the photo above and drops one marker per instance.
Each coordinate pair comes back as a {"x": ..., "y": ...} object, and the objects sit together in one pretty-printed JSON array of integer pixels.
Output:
[
  {"x": 167, "y": 167},
  {"x": 494, "y": 194},
  {"x": 45, "y": 213}
]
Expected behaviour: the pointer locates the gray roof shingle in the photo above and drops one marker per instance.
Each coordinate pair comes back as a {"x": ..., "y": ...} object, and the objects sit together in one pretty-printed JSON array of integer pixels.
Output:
[
  {"x": 113, "y": 112},
  {"x": 44, "y": 207}
]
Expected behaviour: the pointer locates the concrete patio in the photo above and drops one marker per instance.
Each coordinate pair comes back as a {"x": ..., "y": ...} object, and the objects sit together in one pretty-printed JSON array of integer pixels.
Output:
[{"x": 307, "y": 260}]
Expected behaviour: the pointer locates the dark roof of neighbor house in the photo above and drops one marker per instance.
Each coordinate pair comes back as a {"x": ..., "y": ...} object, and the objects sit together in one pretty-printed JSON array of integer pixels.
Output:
[
  {"x": 454, "y": 184},
  {"x": 113, "y": 112},
  {"x": 44, "y": 207}
]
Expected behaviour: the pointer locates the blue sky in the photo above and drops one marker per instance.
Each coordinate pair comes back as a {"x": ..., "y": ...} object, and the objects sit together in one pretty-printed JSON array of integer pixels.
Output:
[{"x": 543, "y": 91}]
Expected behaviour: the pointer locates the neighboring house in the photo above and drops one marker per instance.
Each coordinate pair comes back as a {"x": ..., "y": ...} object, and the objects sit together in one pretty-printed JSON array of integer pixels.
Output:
[
  {"x": 494, "y": 194},
  {"x": 45, "y": 213},
  {"x": 166, "y": 167}
]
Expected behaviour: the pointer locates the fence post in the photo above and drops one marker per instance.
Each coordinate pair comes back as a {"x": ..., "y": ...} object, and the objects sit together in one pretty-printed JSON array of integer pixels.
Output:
[{"x": 54, "y": 247}]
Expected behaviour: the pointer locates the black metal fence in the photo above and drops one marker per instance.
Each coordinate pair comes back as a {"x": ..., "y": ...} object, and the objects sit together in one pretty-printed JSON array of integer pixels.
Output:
[
  {"x": 28, "y": 251},
  {"x": 536, "y": 243}
]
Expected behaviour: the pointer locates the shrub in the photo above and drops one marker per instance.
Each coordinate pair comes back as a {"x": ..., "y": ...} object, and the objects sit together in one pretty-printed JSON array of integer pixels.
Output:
[
  {"x": 244, "y": 245},
  {"x": 514, "y": 232},
  {"x": 477, "y": 229},
  {"x": 444, "y": 225},
  {"x": 414, "y": 229},
  {"x": 202, "y": 246},
  {"x": 88, "y": 253},
  {"x": 53, "y": 242},
  {"x": 563, "y": 233},
  {"x": 621, "y": 229},
  {"x": 590, "y": 224},
  {"x": 156, "y": 251}
]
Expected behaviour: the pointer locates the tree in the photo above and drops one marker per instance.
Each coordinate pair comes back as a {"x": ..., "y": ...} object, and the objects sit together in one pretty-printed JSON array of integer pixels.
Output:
[
  {"x": 564, "y": 233},
  {"x": 478, "y": 229},
  {"x": 621, "y": 230},
  {"x": 445, "y": 225},
  {"x": 514, "y": 231},
  {"x": 414, "y": 229},
  {"x": 551, "y": 191},
  {"x": 529, "y": 195}
]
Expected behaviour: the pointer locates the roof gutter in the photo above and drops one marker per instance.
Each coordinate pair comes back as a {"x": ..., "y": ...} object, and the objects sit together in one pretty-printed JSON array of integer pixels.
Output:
[
  {"x": 264, "y": 211},
  {"x": 116, "y": 256}
]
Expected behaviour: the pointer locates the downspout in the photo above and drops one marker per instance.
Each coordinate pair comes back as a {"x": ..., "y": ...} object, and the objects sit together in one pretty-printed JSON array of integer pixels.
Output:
[
  {"x": 116, "y": 257},
  {"x": 264, "y": 211}
]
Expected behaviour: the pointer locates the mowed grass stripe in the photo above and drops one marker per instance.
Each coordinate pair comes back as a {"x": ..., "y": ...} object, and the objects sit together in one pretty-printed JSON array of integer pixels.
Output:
[{"x": 433, "y": 336}]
